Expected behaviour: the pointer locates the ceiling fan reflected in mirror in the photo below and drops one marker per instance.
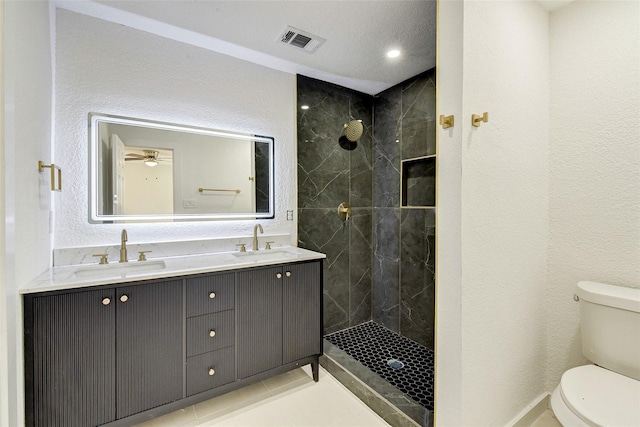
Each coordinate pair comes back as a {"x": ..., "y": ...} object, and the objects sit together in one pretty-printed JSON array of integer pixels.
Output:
[{"x": 149, "y": 157}]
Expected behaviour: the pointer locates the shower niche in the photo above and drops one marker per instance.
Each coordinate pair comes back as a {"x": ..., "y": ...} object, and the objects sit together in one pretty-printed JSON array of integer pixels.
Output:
[{"x": 418, "y": 182}]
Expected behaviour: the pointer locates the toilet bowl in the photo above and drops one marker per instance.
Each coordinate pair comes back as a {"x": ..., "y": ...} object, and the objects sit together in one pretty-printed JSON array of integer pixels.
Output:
[
  {"x": 606, "y": 393},
  {"x": 591, "y": 396}
]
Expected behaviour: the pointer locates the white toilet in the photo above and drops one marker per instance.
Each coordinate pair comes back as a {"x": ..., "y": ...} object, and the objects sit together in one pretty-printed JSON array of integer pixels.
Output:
[{"x": 607, "y": 393}]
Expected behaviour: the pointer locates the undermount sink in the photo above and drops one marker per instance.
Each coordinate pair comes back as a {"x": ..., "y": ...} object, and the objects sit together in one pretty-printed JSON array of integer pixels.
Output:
[
  {"x": 120, "y": 269},
  {"x": 263, "y": 255}
]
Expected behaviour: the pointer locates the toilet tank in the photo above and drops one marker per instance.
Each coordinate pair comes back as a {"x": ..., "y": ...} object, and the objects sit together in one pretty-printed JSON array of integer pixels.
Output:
[{"x": 610, "y": 324}]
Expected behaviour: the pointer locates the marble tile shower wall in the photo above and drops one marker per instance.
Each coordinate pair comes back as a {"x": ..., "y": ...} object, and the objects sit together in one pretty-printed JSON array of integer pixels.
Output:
[
  {"x": 404, "y": 239},
  {"x": 328, "y": 175},
  {"x": 380, "y": 263}
]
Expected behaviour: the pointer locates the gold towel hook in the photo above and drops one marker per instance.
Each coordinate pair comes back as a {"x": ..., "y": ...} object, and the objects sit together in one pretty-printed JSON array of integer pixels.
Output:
[
  {"x": 477, "y": 120},
  {"x": 446, "y": 121}
]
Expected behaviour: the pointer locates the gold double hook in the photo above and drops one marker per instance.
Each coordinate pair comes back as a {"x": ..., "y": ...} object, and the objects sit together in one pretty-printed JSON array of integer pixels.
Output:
[{"x": 477, "y": 120}]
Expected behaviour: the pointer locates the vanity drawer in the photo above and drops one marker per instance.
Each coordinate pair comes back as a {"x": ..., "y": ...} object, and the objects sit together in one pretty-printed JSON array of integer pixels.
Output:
[
  {"x": 210, "y": 370},
  {"x": 210, "y": 294},
  {"x": 210, "y": 332}
]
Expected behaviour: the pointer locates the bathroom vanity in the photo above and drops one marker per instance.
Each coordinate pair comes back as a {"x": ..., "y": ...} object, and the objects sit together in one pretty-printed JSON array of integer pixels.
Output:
[{"x": 121, "y": 350}]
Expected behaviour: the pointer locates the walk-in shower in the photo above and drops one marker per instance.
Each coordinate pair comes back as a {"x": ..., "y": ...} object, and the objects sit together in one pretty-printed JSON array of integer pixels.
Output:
[{"x": 379, "y": 272}]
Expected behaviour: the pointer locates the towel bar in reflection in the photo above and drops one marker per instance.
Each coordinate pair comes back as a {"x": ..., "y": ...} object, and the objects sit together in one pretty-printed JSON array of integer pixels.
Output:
[{"x": 202, "y": 190}]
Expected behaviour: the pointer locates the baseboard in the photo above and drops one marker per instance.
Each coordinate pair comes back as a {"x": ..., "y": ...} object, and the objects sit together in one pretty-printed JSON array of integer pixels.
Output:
[{"x": 531, "y": 412}]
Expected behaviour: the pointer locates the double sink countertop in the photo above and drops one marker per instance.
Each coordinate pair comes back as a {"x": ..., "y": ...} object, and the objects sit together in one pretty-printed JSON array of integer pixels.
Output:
[{"x": 84, "y": 275}]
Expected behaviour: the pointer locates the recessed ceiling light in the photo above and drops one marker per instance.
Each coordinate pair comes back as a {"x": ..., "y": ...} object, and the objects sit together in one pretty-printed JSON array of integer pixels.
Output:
[
  {"x": 304, "y": 107},
  {"x": 393, "y": 53}
]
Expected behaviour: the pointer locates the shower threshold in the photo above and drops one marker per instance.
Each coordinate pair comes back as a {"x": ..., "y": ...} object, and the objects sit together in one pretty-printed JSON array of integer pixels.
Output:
[{"x": 385, "y": 392}]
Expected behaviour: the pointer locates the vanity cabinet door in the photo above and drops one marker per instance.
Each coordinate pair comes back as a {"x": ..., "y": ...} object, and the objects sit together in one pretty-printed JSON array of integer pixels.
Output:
[
  {"x": 259, "y": 320},
  {"x": 301, "y": 308},
  {"x": 149, "y": 358},
  {"x": 279, "y": 316},
  {"x": 70, "y": 359}
]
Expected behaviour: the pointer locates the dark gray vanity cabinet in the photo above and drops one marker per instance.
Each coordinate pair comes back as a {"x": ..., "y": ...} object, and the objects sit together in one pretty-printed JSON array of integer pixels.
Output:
[
  {"x": 279, "y": 316},
  {"x": 124, "y": 353},
  {"x": 97, "y": 356}
]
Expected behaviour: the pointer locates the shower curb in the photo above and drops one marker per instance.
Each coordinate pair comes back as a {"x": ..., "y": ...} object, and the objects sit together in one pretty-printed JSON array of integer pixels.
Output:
[{"x": 411, "y": 414}]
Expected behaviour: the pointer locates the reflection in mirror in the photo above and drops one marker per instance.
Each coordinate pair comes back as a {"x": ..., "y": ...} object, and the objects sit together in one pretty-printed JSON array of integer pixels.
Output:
[{"x": 152, "y": 171}]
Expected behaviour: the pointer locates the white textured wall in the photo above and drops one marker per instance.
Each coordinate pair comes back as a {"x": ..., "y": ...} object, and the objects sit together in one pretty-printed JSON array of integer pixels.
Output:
[
  {"x": 109, "y": 68},
  {"x": 27, "y": 195},
  {"x": 492, "y": 211},
  {"x": 504, "y": 208},
  {"x": 448, "y": 364},
  {"x": 594, "y": 163}
]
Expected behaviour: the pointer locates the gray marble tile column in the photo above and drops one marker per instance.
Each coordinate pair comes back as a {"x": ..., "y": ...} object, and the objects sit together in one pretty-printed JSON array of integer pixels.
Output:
[
  {"x": 404, "y": 260},
  {"x": 386, "y": 273},
  {"x": 329, "y": 174},
  {"x": 417, "y": 280}
]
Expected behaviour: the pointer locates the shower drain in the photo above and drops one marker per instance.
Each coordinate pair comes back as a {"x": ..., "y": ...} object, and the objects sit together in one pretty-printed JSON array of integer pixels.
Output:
[{"x": 395, "y": 364}]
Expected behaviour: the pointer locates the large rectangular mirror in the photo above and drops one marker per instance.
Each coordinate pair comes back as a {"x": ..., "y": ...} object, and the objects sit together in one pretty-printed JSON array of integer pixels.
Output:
[{"x": 142, "y": 170}]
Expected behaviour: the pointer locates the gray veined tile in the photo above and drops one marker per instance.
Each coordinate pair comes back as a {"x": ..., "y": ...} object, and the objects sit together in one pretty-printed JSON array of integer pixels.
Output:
[
  {"x": 386, "y": 183},
  {"x": 380, "y": 264}
]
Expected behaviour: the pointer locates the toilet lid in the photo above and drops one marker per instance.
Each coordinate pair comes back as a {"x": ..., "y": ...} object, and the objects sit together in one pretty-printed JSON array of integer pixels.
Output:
[{"x": 601, "y": 397}]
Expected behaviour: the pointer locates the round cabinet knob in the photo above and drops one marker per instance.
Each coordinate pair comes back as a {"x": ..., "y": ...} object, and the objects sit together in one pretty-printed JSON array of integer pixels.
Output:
[
  {"x": 212, "y": 295},
  {"x": 279, "y": 275},
  {"x": 124, "y": 298},
  {"x": 211, "y": 372},
  {"x": 212, "y": 333},
  {"x": 106, "y": 301},
  {"x": 288, "y": 274}
]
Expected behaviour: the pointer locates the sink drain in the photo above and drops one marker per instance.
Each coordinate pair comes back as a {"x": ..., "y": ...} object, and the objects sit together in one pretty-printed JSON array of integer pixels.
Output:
[{"x": 395, "y": 364}]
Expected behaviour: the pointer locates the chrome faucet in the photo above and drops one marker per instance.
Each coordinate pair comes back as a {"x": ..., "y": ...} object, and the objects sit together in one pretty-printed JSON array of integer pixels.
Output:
[
  {"x": 255, "y": 236},
  {"x": 123, "y": 246}
]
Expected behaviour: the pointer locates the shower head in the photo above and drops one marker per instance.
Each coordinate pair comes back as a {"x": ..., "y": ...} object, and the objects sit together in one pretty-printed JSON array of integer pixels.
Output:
[{"x": 353, "y": 130}]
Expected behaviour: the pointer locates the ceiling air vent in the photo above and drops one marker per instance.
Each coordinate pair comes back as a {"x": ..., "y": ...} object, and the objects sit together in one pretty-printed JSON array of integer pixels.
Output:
[{"x": 300, "y": 39}]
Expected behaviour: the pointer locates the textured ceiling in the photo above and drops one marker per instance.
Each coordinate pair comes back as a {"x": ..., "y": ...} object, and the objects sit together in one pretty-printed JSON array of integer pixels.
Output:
[
  {"x": 552, "y": 5},
  {"x": 357, "y": 33}
]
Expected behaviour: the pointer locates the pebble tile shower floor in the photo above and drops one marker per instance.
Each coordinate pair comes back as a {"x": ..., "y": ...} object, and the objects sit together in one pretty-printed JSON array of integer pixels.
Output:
[{"x": 379, "y": 348}]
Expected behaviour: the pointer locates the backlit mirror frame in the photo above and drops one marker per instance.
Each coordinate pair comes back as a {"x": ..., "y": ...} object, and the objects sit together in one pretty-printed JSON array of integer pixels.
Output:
[{"x": 95, "y": 216}]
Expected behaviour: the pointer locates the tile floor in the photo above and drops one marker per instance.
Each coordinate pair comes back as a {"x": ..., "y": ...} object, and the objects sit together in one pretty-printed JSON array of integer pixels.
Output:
[
  {"x": 292, "y": 399},
  {"x": 547, "y": 419}
]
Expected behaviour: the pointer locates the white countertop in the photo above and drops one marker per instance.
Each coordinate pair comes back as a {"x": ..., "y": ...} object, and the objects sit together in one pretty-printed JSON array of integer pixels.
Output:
[{"x": 78, "y": 276}]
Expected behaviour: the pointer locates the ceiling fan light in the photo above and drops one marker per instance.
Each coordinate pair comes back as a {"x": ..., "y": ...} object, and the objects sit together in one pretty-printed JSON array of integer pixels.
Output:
[
  {"x": 393, "y": 53},
  {"x": 151, "y": 162}
]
